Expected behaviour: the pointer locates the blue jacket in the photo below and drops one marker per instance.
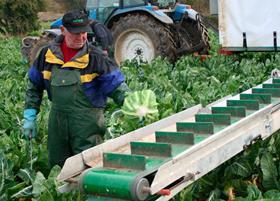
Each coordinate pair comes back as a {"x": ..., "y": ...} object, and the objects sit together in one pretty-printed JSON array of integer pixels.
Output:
[{"x": 100, "y": 76}]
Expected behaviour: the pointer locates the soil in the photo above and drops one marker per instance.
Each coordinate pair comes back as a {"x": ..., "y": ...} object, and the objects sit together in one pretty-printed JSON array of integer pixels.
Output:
[{"x": 49, "y": 16}]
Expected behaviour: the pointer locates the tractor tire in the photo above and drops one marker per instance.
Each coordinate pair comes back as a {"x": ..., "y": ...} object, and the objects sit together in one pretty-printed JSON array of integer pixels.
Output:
[
  {"x": 141, "y": 37},
  {"x": 37, "y": 47},
  {"x": 192, "y": 36},
  {"x": 26, "y": 45}
]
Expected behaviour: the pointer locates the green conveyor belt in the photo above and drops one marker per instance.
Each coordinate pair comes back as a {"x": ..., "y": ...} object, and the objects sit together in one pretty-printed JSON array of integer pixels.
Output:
[{"x": 118, "y": 179}]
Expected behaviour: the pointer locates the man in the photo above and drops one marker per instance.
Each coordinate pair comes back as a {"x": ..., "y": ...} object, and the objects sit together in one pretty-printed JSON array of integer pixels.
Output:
[{"x": 78, "y": 78}]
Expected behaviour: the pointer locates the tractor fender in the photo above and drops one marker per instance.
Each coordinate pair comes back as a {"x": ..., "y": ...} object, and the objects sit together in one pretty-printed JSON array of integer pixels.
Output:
[
  {"x": 52, "y": 32},
  {"x": 182, "y": 9},
  {"x": 56, "y": 24},
  {"x": 28, "y": 43},
  {"x": 158, "y": 14}
]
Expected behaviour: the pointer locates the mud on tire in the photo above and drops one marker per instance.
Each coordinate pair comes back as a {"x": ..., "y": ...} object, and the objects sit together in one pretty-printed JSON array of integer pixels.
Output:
[
  {"x": 141, "y": 37},
  {"x": 192, "y": 37}
]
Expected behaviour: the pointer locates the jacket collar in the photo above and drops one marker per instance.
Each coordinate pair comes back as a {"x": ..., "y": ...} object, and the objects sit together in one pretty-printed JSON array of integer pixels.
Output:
[{"x": 54, "y": 55}]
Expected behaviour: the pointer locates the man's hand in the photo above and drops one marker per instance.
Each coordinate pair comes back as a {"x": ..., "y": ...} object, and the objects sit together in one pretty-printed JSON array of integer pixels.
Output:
[
  {"x": 118, "y": 95},
  {"x": 105, "y": 52},
  {"x": 30, "y": 126}
]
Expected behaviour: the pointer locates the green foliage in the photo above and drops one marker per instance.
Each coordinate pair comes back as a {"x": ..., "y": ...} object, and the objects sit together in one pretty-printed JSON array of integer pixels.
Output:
[
  {"x": 253, "y": 174},
  {"x": 18, "y": 17},
  {"x": 253, "y": 194},
  {"x": 270, "y": 173}
]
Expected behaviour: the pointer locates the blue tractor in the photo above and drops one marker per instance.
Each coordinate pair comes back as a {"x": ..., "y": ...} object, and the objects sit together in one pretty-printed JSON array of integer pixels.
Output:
[{"x": 141, "y": 29}]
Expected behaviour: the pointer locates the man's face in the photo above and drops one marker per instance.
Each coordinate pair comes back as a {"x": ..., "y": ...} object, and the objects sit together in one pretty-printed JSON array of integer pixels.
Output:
[{"x": 74, "y": 40}]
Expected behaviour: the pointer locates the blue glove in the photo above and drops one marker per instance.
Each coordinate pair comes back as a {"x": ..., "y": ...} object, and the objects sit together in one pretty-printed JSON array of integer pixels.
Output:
[{"x": 29, "y": 126}]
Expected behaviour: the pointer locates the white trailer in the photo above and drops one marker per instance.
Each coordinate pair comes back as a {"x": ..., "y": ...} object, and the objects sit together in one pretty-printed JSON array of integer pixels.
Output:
[{"x": 249, "y": 25}]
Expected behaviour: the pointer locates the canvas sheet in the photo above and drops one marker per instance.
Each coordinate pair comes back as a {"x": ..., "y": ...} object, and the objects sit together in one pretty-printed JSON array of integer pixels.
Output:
[{"x": 257, "y": 18}]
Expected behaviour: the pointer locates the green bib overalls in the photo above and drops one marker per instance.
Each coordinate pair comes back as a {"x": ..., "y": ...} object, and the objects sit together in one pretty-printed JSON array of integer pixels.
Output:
[{"x": 74, "y": 125}]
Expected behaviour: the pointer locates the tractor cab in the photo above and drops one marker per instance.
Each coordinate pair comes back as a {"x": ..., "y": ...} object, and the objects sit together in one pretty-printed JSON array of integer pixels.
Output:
[
  {"x": 163, "y": 3},
  {"x": 141, "y": 29},
  {"x": 101, "y": 10}
]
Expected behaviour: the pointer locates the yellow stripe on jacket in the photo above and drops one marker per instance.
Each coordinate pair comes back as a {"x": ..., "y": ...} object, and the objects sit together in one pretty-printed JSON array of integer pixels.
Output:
[
  {"x": 51, "y": 58},
  {"x": 47, "y": 74},
  {"x": 88, "y": 77}
]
